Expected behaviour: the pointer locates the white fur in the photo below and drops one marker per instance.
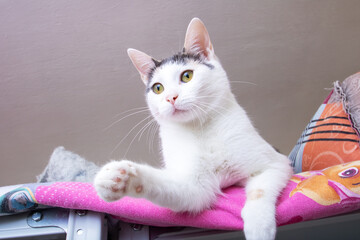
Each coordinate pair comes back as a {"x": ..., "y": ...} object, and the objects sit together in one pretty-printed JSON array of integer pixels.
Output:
[{"x": 209, "y": 146}]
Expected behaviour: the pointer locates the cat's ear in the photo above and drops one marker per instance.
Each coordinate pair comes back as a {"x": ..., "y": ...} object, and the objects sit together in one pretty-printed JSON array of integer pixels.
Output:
[
  {"x": 197, "y": 40},
  {"x": 142, "y": 62}
]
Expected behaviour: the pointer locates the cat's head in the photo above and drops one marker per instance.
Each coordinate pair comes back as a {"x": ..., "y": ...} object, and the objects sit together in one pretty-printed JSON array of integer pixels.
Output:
[{"x": 187, "y": 86}]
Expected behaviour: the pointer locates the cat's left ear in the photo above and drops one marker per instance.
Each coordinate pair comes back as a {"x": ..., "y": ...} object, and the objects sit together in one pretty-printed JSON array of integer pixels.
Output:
[
  {"x": 142, "y": 62},
  {"x": 197, "y": 39}
]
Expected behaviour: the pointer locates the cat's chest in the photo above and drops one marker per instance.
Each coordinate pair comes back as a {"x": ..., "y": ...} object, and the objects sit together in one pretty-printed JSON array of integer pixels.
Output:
[
  {"x": 202, "y": 154},
  {"x": 212, "y": 150},
  {"x": 211, "y": 157},
  {"x": 205, "y": 149}
]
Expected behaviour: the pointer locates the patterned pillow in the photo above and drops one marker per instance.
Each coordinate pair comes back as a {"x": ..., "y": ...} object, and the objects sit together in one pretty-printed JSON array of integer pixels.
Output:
[{"x": 332, "y": 136}]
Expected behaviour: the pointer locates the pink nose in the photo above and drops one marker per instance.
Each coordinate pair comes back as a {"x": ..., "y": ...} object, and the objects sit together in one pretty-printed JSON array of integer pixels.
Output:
[{"x": 172, "y": 99}]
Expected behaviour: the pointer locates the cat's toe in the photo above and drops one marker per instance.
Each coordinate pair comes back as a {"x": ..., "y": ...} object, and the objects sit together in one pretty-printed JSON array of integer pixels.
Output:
[{"x": 111, "y": 182}]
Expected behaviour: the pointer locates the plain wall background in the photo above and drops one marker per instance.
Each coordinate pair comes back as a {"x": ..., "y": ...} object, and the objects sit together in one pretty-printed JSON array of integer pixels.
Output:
[{"x": 65, "y": 75}]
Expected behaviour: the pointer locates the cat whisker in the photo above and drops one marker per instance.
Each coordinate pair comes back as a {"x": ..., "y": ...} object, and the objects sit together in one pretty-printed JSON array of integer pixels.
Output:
[
  {"x": 223, "y": 98},
  {"x": 211, "y": 108},
  {"x": 151, "y": 135},
  {"x": 154, "y": 132},
  {"x": 133, "y": 109},
  {"x": 129, "y": 115},
  {"x": 195, "y": 116},
  {"x": 207, "y": 96},
  {"x": 145, "y": 128},
  {"x": 198, "y": 107},
  {"x": 141, "y": 131},
  {"x": 129, "y": 133},
  {"x": 251, "y": 83},
  {"x": 199, "y": 116},
  {"x": 204, "y": 105}
]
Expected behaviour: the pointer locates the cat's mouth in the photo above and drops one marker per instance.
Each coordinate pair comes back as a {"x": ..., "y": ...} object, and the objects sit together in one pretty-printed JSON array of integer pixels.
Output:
[{"x": 178, "y": 111}]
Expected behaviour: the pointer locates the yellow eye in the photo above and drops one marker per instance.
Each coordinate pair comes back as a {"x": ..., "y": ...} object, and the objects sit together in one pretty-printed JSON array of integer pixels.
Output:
[
  {"x": 158, "y": 88},
  {"x": 186, "y": 76}
]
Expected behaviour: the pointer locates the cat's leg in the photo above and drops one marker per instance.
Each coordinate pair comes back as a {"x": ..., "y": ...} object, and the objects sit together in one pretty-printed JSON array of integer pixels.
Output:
[
  {"x": 262, "y": 190},
  {"x": 179, "y": 192}
]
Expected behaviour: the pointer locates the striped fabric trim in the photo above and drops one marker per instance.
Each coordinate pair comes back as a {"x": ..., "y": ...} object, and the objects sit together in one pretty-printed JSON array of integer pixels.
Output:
[
  {"x": 330, "y": 139},
  {"x": 296, "y": 154},
  {"x": 327, "y": 118},
  {"x": 310, "y": 127}
]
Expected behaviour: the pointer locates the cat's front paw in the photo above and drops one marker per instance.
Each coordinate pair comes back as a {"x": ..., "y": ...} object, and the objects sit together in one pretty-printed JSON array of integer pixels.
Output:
[
  {"x": 115, "y": 180},
  {"x": 259, "y": 222}
]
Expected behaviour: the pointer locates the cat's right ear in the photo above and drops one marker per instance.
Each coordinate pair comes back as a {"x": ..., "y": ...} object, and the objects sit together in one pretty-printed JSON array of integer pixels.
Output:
[
  {"x": 197, "y": 40},
  {"x": 142, "y": 62}
]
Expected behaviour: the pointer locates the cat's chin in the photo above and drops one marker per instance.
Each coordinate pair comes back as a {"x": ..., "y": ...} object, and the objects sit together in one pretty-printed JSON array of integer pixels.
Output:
[
  {"x": 178, "y": 115},
  {"x": 177, "y": 112}
]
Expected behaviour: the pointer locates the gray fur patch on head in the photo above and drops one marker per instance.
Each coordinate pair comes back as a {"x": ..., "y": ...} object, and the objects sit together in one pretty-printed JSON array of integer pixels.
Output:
[{"x": 179, "y": 58}]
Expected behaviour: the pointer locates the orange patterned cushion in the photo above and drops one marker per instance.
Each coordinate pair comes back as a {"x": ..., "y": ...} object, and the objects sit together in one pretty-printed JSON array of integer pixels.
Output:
[{"x": 331, "y": 137}]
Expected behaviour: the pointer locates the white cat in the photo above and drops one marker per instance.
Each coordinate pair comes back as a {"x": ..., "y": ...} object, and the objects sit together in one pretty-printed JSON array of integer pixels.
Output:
[{"x": 208, "y": 141}]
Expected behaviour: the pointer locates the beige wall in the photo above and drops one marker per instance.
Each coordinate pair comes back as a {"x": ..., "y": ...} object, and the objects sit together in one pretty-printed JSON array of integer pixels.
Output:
[{"x": 65, "y": 75}]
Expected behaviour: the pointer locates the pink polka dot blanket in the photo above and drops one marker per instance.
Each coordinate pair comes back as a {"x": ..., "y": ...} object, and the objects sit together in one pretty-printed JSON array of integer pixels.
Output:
[{"x": 308, "y": 195}]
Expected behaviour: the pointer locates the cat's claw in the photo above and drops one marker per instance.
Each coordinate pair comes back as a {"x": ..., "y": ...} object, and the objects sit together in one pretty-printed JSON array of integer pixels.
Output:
[{"x": 115, "y": 179}]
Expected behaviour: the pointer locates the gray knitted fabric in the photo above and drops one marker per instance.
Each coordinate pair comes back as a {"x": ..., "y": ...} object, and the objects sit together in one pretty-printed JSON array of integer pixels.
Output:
[
  {"x": 65, "y": 166},
  {"x": 348, "y": 93}
]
